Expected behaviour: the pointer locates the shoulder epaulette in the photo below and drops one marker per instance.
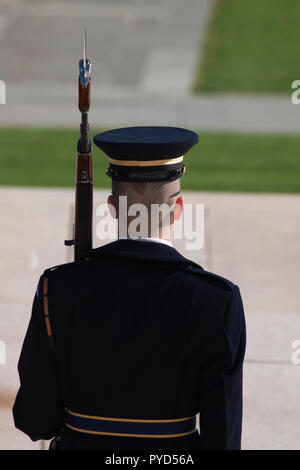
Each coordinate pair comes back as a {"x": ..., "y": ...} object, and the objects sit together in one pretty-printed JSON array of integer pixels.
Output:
[
  {"x": 65, "y": 265},
  {"x": 198, "y": 270}
]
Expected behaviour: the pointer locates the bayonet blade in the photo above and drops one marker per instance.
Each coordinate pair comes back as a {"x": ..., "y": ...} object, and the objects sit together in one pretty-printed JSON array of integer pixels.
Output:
[{"x": 84, "y": 49}]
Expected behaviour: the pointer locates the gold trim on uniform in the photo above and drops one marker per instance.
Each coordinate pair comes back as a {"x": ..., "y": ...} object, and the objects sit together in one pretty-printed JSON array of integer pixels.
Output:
[
  {"x": 103, "y": 418},
  {"x": 129, "y": 435},
  {"x": 141, "y": 163}
]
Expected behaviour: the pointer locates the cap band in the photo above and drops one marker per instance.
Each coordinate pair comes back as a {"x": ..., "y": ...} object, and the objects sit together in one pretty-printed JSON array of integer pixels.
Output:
[{"x": 141, "y": 163}]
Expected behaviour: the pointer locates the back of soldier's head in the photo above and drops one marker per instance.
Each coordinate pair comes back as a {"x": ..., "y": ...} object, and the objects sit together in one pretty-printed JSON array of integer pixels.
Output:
[{"x": 145, "y": 165}]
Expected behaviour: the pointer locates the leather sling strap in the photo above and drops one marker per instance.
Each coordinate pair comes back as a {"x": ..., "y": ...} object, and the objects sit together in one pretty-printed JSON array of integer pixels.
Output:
[{"x": 46, "y": 313}]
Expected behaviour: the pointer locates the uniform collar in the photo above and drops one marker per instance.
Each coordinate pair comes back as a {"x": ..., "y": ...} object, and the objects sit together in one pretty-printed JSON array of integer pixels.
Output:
[
  {"x": 143, "y": 249},
  {"x": 150, "y": 239}
]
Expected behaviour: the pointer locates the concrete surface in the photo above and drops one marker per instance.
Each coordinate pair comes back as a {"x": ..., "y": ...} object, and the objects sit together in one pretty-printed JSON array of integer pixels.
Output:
[
  {"x": 144, "y": 55},
  {"x": 46, "y": 106},
  {"x": 252, "y": 239},
  {"x": 133, "y": 44}
]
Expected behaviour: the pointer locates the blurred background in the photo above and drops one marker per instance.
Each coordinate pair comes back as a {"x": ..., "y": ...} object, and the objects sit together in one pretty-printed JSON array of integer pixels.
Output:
[{"x": 223, "y": 68}]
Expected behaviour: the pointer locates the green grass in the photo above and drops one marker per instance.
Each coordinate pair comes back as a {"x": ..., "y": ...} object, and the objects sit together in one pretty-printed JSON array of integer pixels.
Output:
[
  {"x": 43, "y": 158},
  {"x": 220, "y": 162},
  {"x": 251, "y": 47},
  {"x": 255, "y": 163}
]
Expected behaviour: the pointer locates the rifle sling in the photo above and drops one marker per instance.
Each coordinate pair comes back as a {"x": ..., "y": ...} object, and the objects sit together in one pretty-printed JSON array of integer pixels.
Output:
[{"x": 46, "y": 313}]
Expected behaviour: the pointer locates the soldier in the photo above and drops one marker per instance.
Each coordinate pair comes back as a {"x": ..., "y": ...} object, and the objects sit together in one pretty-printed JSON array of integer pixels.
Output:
[{"x": 142, "y": 339}]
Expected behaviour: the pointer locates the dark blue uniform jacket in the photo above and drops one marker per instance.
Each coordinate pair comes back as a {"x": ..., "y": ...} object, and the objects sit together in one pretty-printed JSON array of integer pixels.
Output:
[{"x": 142, "y": 333}]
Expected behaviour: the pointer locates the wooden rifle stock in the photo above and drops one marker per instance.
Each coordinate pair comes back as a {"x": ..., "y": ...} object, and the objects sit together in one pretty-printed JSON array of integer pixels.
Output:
[{"x": 84, "y": 96}]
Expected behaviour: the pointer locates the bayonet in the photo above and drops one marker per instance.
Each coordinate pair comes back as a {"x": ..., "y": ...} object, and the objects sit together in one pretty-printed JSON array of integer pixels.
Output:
[{"x": 84, "y": 65}]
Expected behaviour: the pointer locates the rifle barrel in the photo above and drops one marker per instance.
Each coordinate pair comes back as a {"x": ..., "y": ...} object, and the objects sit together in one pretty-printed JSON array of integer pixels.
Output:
[{"x": 83, "y": 241}]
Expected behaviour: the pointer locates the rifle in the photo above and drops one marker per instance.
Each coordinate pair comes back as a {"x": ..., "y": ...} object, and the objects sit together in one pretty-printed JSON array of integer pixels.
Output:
[{"x": 82, "y": 229}]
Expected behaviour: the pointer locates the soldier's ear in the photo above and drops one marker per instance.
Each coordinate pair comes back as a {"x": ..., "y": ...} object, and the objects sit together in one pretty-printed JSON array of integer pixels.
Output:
[
  {"x": 178, "y": 208},
  {"x": 112, "y": 206}
]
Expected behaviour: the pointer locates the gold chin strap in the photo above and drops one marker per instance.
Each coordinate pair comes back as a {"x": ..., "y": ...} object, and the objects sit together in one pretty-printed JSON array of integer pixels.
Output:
[{"x": 140, "y": 163}]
